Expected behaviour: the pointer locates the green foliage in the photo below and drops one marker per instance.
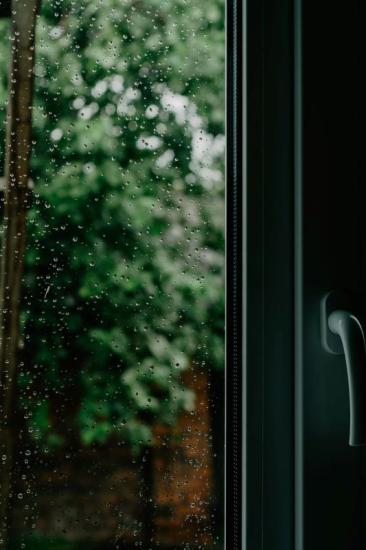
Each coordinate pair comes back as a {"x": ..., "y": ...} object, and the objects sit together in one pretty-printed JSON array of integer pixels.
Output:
[{"x": 124, "y": 267}]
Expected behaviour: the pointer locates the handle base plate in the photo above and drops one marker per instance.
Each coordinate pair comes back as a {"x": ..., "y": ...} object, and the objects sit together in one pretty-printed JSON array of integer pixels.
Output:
[{"x": 331, "y": 302}]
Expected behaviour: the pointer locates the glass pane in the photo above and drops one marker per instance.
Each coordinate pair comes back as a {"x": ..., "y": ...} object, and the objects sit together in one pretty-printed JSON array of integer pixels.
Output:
[{"x": 112, "y": 274}]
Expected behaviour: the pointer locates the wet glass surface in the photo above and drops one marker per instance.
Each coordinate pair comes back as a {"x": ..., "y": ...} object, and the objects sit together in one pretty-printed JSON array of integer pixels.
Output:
[{"x": 112, "y": 274}]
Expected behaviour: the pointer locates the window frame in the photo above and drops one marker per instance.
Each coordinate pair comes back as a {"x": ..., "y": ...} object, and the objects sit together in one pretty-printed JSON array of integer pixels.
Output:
[{"x": 261, "y": 127}]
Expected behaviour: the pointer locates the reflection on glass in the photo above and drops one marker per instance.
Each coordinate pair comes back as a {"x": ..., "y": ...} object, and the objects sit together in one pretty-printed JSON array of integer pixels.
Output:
[{"x": 112, "y": 432}]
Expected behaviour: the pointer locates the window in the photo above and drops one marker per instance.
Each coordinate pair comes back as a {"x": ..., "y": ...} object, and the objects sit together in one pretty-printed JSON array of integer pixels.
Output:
[{"x": 112, "y": 344}]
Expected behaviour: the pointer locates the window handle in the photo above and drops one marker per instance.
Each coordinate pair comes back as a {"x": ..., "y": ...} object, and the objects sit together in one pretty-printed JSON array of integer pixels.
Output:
[{"x": 344, "y": 324}]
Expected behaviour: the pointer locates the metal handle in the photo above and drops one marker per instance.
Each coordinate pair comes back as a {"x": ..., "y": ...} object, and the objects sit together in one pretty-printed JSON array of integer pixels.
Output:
[{"x": 349, "y": 329}]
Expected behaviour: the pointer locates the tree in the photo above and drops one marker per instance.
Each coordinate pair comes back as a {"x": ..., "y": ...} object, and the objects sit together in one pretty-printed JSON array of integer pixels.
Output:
[
  {"x": 18, "y": 144},
  {"x": 124, "y": 263}
]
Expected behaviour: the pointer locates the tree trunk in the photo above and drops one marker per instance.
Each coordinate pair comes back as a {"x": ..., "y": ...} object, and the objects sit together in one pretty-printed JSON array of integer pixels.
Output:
[{"x": 16, "y": 197}]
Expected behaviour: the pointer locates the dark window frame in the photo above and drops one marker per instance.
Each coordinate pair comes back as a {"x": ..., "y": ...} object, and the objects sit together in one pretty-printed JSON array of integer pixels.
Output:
[{"x": 262, "y": 135}]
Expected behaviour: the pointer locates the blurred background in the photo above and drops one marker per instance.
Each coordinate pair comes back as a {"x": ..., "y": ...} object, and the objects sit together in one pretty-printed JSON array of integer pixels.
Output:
[{"x": 120, "y": 403}]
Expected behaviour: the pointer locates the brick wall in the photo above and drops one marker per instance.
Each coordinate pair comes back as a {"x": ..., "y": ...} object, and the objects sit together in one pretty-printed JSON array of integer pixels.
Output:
[
  {"x": 163, "y": 498},
  {"x": 183, "y": 480}
]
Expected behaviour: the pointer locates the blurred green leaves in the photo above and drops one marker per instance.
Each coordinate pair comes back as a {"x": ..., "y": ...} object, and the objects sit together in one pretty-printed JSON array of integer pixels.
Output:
[{"x": 124, "y": 283}]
